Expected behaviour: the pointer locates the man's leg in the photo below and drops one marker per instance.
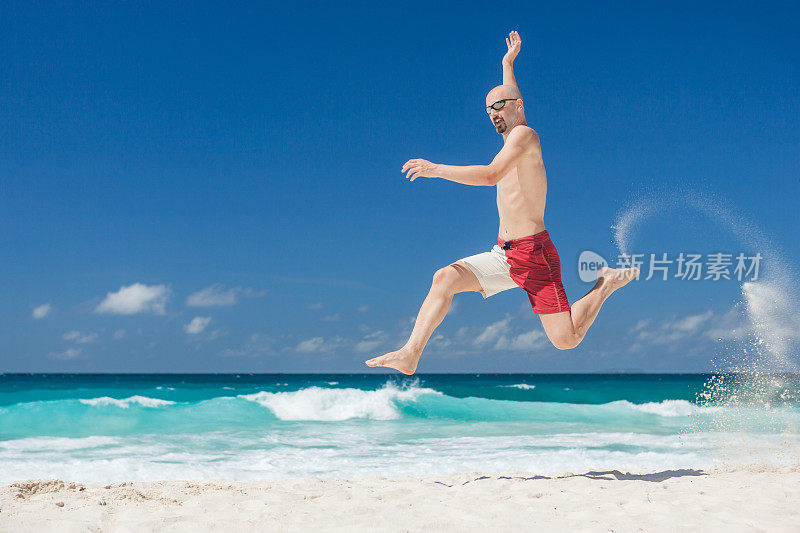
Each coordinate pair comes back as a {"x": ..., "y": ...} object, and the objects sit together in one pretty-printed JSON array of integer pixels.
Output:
[
  {"x": 447, "y": 281},
  {"x": 567, "y": 329}
]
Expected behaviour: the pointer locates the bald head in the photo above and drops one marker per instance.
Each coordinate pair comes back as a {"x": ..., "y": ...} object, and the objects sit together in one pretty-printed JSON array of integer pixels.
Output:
[{"x": 502, "y": 92}]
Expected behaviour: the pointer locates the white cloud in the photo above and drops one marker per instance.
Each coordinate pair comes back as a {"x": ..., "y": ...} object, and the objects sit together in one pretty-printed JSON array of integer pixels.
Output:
[
  {"x": 503, "y": 335},
  {"x": 257, "y": 344},
  {"x": 217, "y": 295},
  {"x": 315, "y": 305},
  {"x": 524, "y": 342},
  {"x": 363, "y": 309},
  {"x": 731, "y": 326},
  {"x": 71, "y": 353},
  {"x": 119, "y": 334},
  {"x": 321, "y": 345},
  {"x": 42, "y": 311},
  {"x": 316, "y": 344},
  {"x": 367, "y": 346},
  {"x": 371, "y": 341},
  {"x": 438, "y": 341},
  {"x": 529, "y": 341},
  {"x": 136, "y": 298},
  {"x": 332, "y": 318},
  {"x": 79, "y": 337},
  {"x": 690, "y": 324},
  {"x": 197, "y": 325},
  {"x": 215, "y": 334},
  {"x": 669, "y": 331},
  {"x": 493, "y": 332}
]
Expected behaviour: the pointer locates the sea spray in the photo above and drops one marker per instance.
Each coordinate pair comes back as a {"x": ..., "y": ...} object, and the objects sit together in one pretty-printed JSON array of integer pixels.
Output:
[
  {"x": 754, "y": 374},
  {"x": 772, "y": 311},
  {"x": 755, "y": 379},
  {"x": 629, "y": 220}
]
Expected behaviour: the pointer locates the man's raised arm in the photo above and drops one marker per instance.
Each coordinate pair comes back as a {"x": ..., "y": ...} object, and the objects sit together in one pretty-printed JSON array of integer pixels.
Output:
[
  {"x": 514, "y": 43},
  {"x": 521, "y": 140}
]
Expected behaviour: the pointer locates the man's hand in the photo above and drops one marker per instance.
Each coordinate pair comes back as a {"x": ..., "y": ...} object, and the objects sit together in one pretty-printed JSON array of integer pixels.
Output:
[
  {"x": 420, "y": 168},
  {"x": 514, "y": 44}
]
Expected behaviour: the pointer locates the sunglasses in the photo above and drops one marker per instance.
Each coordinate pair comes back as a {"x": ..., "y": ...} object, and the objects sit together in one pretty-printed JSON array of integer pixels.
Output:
[{"x": 500, "y": 104}]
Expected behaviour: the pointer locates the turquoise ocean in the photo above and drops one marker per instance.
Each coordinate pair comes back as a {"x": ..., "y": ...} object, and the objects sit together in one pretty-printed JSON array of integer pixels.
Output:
[{"x": 97, "y": 427}]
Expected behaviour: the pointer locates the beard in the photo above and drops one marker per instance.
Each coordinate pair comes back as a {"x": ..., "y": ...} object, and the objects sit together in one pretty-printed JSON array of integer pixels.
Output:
[{"x": 500, "y": 126}]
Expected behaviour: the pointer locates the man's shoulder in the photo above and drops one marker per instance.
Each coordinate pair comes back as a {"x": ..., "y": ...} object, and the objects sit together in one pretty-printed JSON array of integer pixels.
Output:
[
  {"x": 525, "y": 132},
  {"x": 525, "y": 135}
]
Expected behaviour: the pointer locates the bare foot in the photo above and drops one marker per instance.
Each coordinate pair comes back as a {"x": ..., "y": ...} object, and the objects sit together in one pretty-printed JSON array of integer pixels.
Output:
[
  {"x": 403, "y": 360},
  {"x": 614, "y": 278}
]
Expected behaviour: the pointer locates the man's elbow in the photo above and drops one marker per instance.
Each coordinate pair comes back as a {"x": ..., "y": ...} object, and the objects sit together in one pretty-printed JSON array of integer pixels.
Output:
[{"x": 492, "y": 176}]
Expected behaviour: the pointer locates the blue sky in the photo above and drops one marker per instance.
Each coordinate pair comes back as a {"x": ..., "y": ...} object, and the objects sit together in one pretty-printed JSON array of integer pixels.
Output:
[{"x": 230, "y": 175}]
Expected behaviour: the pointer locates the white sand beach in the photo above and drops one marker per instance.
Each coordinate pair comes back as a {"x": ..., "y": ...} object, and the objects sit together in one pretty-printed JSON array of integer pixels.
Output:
[{"x": 718, "y": 499}]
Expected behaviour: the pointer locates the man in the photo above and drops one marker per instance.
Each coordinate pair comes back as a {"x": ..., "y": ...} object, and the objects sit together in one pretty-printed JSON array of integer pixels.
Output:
[{"x": 525, "y": 256}]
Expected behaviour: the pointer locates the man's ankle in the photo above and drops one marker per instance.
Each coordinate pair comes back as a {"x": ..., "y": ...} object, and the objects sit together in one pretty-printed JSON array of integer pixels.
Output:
[{"x": 413, "y": 348}]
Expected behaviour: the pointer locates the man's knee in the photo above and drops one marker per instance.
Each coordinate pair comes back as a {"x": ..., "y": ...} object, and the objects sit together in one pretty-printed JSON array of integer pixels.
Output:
[
  {"x": 445, "y": 279},
  {"x": 566, "y": 342}
]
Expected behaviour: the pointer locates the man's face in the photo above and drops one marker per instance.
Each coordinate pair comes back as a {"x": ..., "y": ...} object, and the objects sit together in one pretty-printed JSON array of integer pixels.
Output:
[{"x": 503, "y": 118}]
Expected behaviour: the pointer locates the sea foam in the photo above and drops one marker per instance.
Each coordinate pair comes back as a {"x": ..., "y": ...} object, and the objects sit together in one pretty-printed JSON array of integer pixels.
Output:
[
  {"x": 144, "y": 401},
  {"x": 322, "y": 404},
  {"x": 669, "y": 408}
]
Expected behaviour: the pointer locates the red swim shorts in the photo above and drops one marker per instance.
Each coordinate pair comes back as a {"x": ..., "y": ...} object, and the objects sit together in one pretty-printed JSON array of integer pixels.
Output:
[{"x": 536, "y": 268}]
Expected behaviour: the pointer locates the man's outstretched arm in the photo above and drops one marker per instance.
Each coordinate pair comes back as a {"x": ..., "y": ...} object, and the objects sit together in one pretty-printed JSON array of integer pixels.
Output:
[
  {"x": 521, "y": 140},
  {"x": 514, "y": 43}
]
